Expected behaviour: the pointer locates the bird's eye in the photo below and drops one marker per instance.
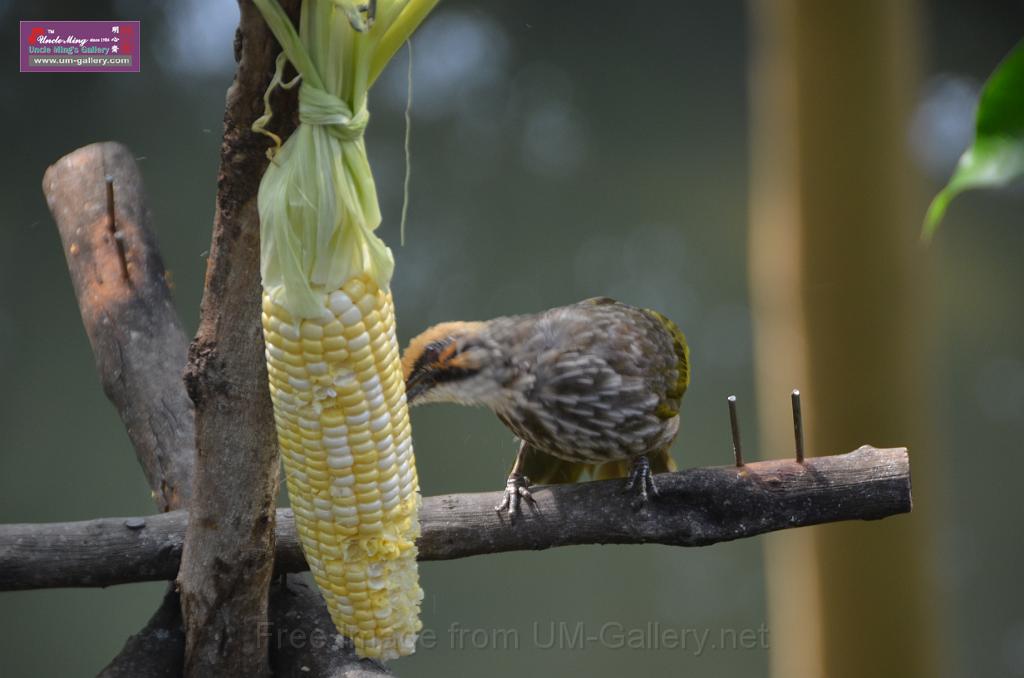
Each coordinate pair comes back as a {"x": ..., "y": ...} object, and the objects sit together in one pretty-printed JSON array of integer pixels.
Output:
[
  {"x": 431, "y": 354},
  {"x": 436, "y": 350}
]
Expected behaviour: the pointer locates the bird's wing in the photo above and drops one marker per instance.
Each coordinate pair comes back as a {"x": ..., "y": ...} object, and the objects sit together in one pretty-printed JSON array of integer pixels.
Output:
[
  {"x": 584, "y": 403},
  {"x": 600, "y": 375}
]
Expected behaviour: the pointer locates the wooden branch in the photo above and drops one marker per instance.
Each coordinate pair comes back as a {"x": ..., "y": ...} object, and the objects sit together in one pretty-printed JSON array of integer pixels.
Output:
[
  {"x": 96, "y": 197},
  {"x": 137, "y": 339},
  {"x": 229, "y": 547},
  {"x": 697, "y": 507},
  {"x": 140, "y": 353},
  {"x": 303, "y": 641},
  {"x": 300, "y": 640},
  {"x": 157, "y": 651}
]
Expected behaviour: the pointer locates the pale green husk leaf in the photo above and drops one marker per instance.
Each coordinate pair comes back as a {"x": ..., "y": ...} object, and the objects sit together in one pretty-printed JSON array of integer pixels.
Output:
[{"x": 317, "y": 200}]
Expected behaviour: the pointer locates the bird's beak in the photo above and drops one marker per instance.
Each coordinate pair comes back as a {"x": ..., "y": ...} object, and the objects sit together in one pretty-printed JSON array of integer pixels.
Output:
[{"x": 416, "y": 385}]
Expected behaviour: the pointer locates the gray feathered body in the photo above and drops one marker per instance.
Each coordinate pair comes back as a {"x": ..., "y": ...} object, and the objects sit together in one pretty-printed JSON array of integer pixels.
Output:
[{"x": 592, "y": 382}]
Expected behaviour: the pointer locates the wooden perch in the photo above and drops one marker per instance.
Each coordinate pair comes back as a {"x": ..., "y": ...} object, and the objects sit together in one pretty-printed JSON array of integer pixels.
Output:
[
  {"x": 95, "y": 195},
  {"x": 140, "y": 353},
  {"x": 697, "y": 507},
  {"x": 229, "y": 548}
]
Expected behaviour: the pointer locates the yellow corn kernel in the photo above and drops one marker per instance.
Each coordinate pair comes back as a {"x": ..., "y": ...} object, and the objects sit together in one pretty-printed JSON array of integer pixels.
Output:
[{"x": 343, "y": 428}]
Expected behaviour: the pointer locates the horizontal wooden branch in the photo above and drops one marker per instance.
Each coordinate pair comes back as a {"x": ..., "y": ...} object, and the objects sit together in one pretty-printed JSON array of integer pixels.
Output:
[{"x": 697, "y": 507}]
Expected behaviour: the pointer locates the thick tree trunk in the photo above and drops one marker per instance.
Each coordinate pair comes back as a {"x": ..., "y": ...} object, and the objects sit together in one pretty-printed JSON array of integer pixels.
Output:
[{"x": 229, "y": 548}]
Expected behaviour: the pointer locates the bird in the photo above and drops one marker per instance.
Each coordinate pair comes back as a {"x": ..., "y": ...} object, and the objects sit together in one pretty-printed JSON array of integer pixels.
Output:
[{"x": 594, "y": 386}]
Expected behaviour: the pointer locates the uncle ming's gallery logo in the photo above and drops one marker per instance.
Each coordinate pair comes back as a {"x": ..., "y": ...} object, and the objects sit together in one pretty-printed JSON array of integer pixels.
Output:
[{"x": 79, "y": 46}]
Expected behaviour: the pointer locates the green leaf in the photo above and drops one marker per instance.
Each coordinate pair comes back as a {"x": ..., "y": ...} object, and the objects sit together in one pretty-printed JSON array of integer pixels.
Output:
[{"x": 997, "y": 155}]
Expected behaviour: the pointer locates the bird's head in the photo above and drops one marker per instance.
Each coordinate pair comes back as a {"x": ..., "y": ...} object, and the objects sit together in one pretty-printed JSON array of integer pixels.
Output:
[{"x": 454, "y": 362}]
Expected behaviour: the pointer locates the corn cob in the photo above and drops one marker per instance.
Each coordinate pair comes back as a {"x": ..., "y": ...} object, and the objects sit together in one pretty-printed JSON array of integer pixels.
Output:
[
  {"x": 329, "y": 326},
  {"x": 343, "y": 427}
]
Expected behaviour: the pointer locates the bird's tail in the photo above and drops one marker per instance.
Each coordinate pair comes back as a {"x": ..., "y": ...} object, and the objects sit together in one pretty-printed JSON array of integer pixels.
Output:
[{"x": 544, "y": 469}]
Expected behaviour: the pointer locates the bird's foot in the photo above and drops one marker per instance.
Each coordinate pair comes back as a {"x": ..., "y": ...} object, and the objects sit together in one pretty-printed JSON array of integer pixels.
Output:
[
  {"x": 641, "y": 481},
  {"x": 516, "y": 487}
]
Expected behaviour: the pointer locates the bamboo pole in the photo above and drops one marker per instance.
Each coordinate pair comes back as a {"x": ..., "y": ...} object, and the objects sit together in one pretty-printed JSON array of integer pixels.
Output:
[{"x": 833, "y": 251}]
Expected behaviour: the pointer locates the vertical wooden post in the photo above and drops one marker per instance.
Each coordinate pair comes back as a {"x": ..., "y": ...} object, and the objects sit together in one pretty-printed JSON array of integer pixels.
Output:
[
  {"x": 833, "y": 250},
  {"x": 228, "y": 555}
]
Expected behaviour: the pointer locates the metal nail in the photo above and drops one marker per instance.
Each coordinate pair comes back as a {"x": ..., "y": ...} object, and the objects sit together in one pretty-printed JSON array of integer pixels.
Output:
[
  {"x": 737, "y": 447},
  {"x": 798, "y": 427}
]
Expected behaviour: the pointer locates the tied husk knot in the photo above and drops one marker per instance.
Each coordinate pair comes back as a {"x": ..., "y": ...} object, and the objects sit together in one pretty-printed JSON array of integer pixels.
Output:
[{"x": 320, "y": 107}]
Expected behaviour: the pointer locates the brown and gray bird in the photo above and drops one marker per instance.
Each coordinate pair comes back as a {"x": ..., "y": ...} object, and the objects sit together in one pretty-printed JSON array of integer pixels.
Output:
[{"x": 592, "y": 386}]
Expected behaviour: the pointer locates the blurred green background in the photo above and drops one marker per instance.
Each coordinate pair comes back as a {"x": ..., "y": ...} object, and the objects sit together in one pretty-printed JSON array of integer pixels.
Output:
[{"x": 558, "y": 153}]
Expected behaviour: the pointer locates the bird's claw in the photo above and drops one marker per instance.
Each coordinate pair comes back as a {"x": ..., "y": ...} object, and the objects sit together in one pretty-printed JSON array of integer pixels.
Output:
[
  {"x": 516, "y": 487},
  {"x": 641, "y": 478}
]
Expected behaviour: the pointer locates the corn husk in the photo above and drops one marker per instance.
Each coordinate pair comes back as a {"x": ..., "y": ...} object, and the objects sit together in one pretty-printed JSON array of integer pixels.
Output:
[{"x": 317, "y": 200}]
